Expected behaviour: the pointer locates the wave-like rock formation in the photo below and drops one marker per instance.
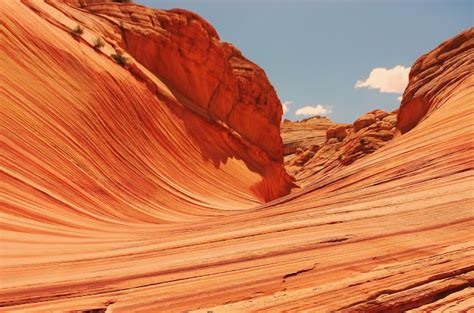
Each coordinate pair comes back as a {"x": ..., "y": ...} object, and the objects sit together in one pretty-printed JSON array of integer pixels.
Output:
[
  {"x": 129, "y": 189},
  {"x": 85, "y": 136}
]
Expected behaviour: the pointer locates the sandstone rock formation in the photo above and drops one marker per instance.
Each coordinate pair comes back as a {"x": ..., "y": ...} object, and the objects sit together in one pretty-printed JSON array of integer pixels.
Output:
[
  {"x": 344, "y": 144},
  {"x": 303, "y": 134},
  {"x": 105, "y": 114},
  {"x": 125, "y": 191},
  {"x": 433, "y": 77},
  {"x": 211, "y": 78}
]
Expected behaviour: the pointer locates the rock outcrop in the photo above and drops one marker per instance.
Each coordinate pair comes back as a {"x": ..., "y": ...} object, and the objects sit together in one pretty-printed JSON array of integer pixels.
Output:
[
  {"x": 347, "y": 143},
  {"x": 182, "y": 102},
  {"x": 344, "y": 144},
  {"x": 433, "y": 77},
  {"x": 212, "y": 78},
  {"x": 304, "y": 134},
  {"x": 125, "y": 191}
]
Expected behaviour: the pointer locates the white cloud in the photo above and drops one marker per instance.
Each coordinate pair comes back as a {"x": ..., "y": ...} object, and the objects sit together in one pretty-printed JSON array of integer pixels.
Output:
[
  {"x": 285, "y": 105},
  {"x": 386, "y": 80},
  {"x": 314, "y": 110}
]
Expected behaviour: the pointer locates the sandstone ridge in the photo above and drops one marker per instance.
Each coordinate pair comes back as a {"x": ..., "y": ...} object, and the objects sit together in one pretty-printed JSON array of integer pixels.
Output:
[
  {"x": 125, "y": 189},
  {"x": 304, "y": 133},
  {"x": 214, "y": 78},
  {"x": 342, "y": 145},
  {"x": 185, "y": 101},
  {"x": 434, "y": 76}
]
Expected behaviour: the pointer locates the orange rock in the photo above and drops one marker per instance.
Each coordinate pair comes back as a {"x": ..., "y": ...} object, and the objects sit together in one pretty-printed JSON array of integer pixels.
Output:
[
  {"x": 212, "y": 78},
  {"x": 380, "y": 114},
  {"x": 338, "y": 131},
  {"x": 344, "y": 144},
  {"x": 302, "y": 134},
  {"x": 121, "y": 192},
  {"x": 432, "y": 76},
  {"x": 364, "y": 121},
  {"x": 132, "y": 128},
  {"x": 314, "y": 148}
]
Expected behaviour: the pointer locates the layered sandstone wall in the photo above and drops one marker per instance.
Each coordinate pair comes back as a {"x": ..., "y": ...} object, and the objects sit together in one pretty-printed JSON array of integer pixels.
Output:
[
  {"x": 303, "y": 134},
  {"x": 342, "y": 145},
  {"x": 212, "y": 77},
  {"x": 433, "y": 78},
  {"x": 138, "y": 139},
  {"x": 118, "y": 197}
]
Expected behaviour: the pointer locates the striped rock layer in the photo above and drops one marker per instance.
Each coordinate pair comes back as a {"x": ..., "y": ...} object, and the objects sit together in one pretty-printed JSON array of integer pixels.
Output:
[{"x": 139, "y": 189}]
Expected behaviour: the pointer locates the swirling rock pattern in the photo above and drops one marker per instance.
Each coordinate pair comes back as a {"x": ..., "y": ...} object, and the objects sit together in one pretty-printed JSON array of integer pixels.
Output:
[
  {"x": 121, "y": 192},
  {"x": 85, "y": 134}
]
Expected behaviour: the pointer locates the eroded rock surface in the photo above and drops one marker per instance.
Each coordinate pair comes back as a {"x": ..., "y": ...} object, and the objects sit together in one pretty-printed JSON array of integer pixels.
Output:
[
  {"x": 123, "y": 191},
  {"x": 344, "y": 144},
  {"x": 434, "y": 76},
  {"x": 213, "y": 78},
  {"x": 303, "y": 134},
  {"x": 123, "y": 137}
]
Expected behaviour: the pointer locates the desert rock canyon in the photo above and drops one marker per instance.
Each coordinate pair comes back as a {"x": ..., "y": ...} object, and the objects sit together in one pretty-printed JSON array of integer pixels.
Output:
[{"x": 164, "y": 185}]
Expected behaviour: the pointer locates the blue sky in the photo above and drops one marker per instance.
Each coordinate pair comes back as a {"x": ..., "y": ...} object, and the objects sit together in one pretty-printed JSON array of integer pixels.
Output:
[{"x": 314, "y": 52}]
